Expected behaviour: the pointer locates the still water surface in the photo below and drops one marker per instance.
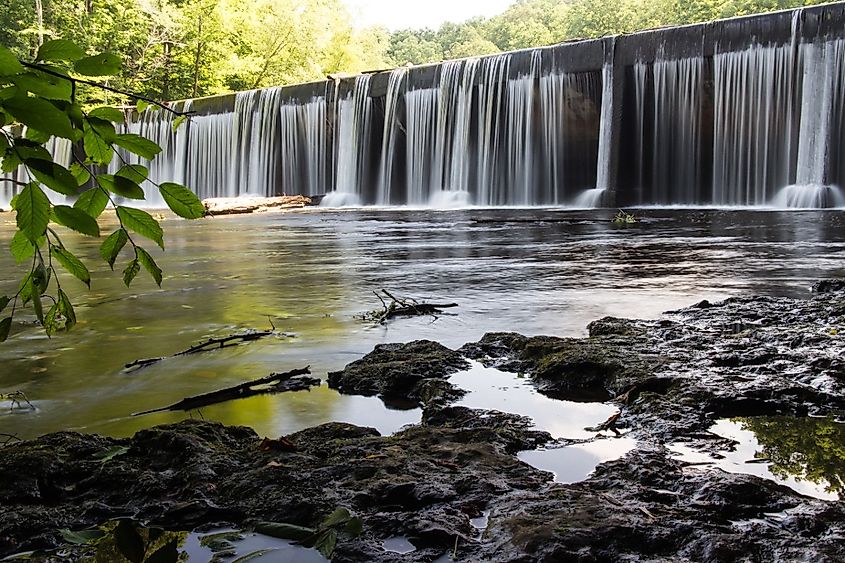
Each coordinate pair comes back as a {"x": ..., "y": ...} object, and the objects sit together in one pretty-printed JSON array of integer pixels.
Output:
[{"x": 532, "y": 271}]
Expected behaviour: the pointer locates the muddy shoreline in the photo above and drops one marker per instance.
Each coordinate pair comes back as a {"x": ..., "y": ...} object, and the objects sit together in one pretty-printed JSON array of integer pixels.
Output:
[{"x": 672, "y": 380}]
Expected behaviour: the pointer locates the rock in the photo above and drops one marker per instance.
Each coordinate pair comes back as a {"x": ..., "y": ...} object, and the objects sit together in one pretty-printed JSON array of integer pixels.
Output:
[
  {"x": 402, "y": 371},
  {"x": 829, "y": 286}
]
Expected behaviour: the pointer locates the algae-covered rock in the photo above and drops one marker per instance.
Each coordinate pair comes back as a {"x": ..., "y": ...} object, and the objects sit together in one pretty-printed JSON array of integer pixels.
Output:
[{"x": 401, "y": 371}]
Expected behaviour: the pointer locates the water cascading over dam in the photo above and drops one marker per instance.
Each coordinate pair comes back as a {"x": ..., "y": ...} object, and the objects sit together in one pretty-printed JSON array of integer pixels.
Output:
[{"x": 741, "y": 112}]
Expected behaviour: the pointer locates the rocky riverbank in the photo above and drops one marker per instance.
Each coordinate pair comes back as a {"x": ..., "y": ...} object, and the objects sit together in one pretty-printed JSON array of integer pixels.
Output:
[{"x": 672, "y": 379}]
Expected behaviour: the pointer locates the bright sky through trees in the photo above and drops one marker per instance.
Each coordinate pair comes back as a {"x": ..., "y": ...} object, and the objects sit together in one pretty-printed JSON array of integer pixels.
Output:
[{"x": 398, "y": 14}]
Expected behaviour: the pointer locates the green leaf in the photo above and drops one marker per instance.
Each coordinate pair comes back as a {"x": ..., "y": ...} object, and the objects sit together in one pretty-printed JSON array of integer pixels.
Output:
[
  {"x": 92, "y": 201},
  {"x": 149, "y": 264},
  {"x": 67, "y": 311},
  {"x": 33, "y": 212},
  {"x": 60, "y": 50},
  {"x": 168, "y": 553},
  {"x": 26, "y": 289},
  {"x": 178, "y": 121},
  {"x": 21, "y": 248},
  {"x": 102, "y": 127},
  {"x": 38, "y": 307},
  {"x": 112, "y": 246},
  {"x": 51, "y": 320},
  {"x": 40, "y": 277},
  {"x": 130, "y": 272},
  {"x": 104, "y": 64},
  {"x": 354, "y": 527},
  {"x": 36, "y": 136},
  {"x": 135, "y": 172},
  {"x": 72, "y": 264},
  {"x": 81, "y": 537},
  {"x": 141, "y": 106},
  {"x": 128, "y": 541},
  {"x": 41, "y": 115},
  {"x": 80, "y": 173},
  {"x": 45, "y": 85},
  {"x": 339, "y": 516},
  {"x": 97, "y": 149},
  {"x": 142, "y": 223},
  {"x": 326, "y": 543},
  {"x": 5, "y": 328},
  {"x": 4, "y": 302},
  {"x": 108, "y": 113},
  {"x": 137, "y": 144},
  {"x": 76, "y": 219},
  {"x": 284, "y": 531},
  {"x": 54, "y": 176},
  {"x": 9, "y": 63},
  {"x": 110, "y": 453},
  {"x": 121, "y": 186},
  {"x": 182, "y": 201}
]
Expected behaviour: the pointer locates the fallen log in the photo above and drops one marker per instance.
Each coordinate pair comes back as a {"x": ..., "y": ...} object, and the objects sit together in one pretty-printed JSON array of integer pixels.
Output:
[
  {"x": 293, "y": 380},
  {"x": 210, "y": 344},
  {"x": 407, "y": 307}
]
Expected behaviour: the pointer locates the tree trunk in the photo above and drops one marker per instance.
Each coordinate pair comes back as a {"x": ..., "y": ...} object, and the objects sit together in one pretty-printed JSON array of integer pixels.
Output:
[
  {"x": 39, "y": 20},
  {"x": 198, "y": 57}
]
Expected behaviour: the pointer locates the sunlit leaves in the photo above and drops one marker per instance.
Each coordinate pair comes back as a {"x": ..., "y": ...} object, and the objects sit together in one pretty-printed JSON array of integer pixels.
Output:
[
  {"x": 93, "y": 202},
  {"x": 41, "y": 115},
  {"x": 137, "y": 145},
  {"x": 107, "y": 113},
  {"x": 142, "y": 223},
  {"x": 60, "y": 50},
  {"x": 104, "y": 64},
  {"x": 45, "y": 85},
  {"x": 33, "y": 212},
  {"x": 112, "y": 246},
  {"x": 76, "y": 219},
  {"x": 96, "y": 148},
  {"x": 135, "y": 172},
  {"x": 54, "y": 176},
  {"x": 72, "y": 264},
  {"x": 21, "y": 248},
  {"x": 178, "y": 122},
  {"x": 141, "y": 106},
  {"x": 130, "y": 272},
  {"x": 149, "y": 264},
  {"x": 182, "y": 201},
  {"x": 121, "y": 186},
  {"x": 9, "y": 64}
]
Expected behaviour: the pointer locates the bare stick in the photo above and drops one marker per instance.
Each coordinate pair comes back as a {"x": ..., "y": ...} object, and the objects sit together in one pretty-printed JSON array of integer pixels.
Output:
[{"x": 273, "y": 383}]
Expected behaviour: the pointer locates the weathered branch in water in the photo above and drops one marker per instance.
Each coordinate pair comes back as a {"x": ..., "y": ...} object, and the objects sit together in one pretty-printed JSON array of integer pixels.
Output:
[
  {"x": 403, "y": 308},
  {"x": 273, "y": 383},
  {"x": 210, "y": 344}
]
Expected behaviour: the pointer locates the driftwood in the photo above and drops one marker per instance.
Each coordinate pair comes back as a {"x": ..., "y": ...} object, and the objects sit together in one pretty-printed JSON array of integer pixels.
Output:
[
  {"x": 273, "y": 383},
  {"x": 397, "y": 307},
  {"x": 210, "y": 344},
  {"x": 16, "y": 400}
]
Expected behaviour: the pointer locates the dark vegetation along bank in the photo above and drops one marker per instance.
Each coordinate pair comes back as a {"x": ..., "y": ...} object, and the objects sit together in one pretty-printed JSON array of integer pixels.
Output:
[{"x": 672, "y": 378}]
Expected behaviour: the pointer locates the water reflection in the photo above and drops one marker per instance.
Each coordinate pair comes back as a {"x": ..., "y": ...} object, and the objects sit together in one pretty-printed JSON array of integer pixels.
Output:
[
  {"x": 803, "y": 453},
  {"x": 528, "y": 270}
]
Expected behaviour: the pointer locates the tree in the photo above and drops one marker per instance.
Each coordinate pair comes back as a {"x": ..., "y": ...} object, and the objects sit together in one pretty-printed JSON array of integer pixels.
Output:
[{"x": 39, "y": 100}]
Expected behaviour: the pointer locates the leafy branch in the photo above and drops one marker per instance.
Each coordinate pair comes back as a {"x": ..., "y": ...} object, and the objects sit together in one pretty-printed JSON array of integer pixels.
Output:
[{"x": 38, "y": 103}]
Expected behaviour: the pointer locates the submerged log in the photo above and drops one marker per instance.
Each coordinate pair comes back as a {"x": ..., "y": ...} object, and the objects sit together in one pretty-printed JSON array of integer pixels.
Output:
[{"x": 293, "y": 380}]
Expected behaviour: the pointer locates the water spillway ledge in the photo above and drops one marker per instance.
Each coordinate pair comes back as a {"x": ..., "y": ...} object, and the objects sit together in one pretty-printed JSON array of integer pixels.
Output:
[
  {"x": 673, "y": 382},
  {"x": 725, "y": 113}
]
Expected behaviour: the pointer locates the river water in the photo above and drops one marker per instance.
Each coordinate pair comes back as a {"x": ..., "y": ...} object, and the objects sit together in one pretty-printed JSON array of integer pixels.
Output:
[{"x": 534, "y": 271}]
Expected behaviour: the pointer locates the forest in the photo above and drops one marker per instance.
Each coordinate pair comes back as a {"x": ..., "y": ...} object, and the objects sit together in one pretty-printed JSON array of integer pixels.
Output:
[{"x": 177, "y": 49}]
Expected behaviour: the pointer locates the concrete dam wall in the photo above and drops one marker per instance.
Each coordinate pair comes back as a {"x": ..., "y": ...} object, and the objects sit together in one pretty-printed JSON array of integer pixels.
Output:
[{"x": 747, "y": 111}]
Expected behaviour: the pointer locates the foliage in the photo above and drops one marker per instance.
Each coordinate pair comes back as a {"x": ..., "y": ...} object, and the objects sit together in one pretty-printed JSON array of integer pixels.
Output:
[
  {"x": 39, "y": 102},
  {"x": 125, "y": 541},
  {"x": 339, "y": 524}
]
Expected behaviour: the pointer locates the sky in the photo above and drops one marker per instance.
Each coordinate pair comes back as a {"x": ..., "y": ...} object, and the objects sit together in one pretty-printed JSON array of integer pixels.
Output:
[{"x": 398, "y": 14}]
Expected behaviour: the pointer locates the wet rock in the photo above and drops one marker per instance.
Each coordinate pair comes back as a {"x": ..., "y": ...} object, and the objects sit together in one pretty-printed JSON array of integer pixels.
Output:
[
  {"x": 829, "y": 286},
  {"x": 402, "y": 371}
]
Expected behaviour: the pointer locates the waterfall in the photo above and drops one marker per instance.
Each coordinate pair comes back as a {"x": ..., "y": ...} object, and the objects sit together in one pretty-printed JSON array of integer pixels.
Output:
[
  {"x": 752, "y": 131},
  {"x": 421, "y": 120},
  {"x": 492, "y": 88},
  {"x": 391, "y": 131},
  {"x": 352, "y": 142},
  {"x": 605, "y": 132}
]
